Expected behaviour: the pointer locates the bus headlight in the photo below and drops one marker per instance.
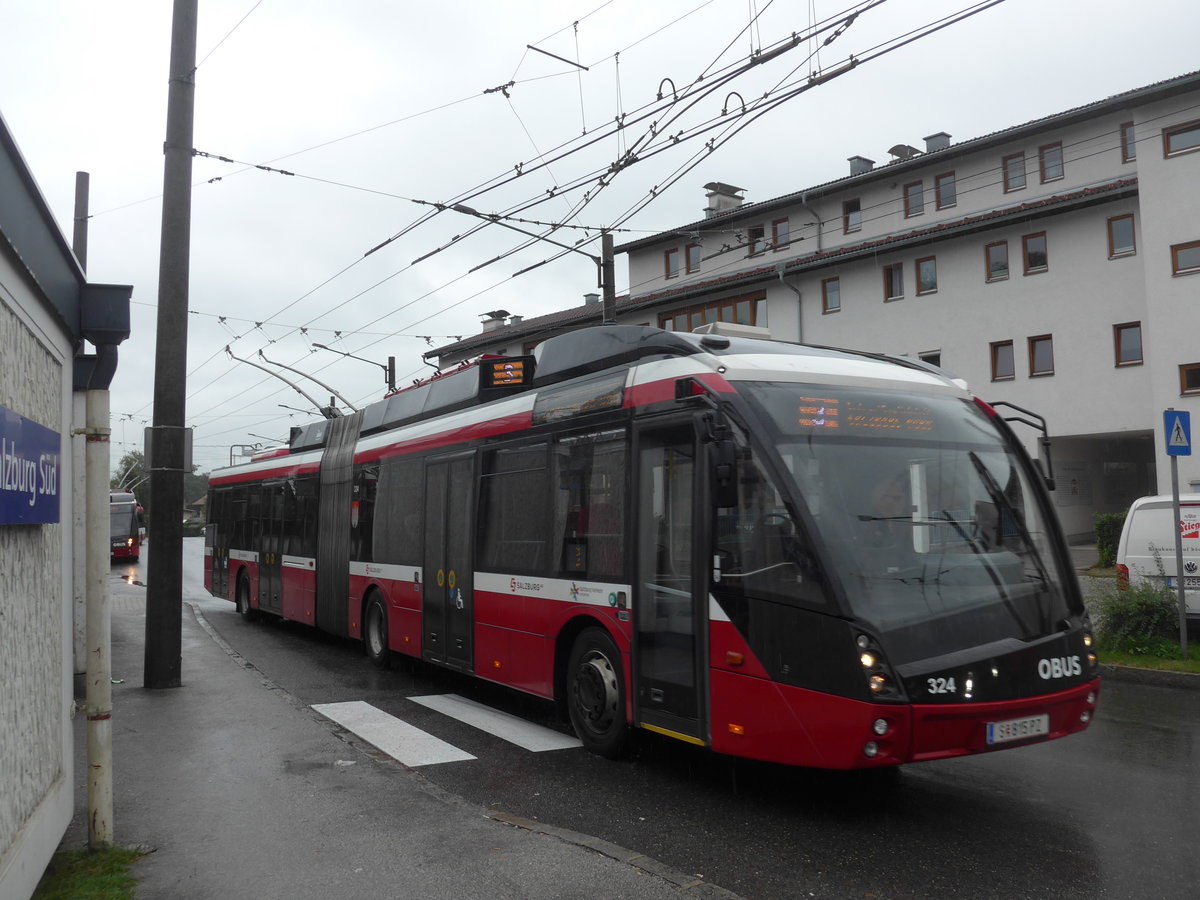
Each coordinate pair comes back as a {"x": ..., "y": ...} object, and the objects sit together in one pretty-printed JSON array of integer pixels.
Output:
[{"x": 880, "y": 681}]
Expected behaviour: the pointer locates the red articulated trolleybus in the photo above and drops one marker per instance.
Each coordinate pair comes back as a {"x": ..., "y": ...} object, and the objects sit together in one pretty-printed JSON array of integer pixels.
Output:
[{"x": 796, "y": 554}]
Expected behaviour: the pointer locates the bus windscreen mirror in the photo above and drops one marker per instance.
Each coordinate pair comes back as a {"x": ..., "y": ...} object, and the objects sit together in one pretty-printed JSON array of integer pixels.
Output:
[
  {"x": 725, "y": 492},
  {"x": 919, "y": 492}
]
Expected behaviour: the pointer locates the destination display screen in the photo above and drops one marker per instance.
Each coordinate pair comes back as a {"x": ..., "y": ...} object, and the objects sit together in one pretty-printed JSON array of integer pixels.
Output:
[
  {"x": 509, "y": 371},
  {"x": 855, "y": 415}
]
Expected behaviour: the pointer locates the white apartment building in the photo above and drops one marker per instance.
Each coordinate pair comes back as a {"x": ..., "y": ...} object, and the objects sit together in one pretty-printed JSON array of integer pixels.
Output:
[{"x": 1047, "y": 264}]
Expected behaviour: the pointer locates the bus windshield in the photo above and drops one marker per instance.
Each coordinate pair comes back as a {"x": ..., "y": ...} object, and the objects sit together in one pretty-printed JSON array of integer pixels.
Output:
[
  {"x": 926, "y": 514},
  {"x": 123, "y": 520}
]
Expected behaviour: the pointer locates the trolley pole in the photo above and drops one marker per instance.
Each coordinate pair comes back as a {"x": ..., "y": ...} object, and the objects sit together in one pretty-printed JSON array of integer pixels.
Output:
[{"x": 167, "y": 441}]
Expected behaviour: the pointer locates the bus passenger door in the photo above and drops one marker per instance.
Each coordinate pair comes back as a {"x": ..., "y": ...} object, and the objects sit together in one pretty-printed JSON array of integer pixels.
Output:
[
  {"x": 270, "y": 560},
  {"x": 668, "y": 594},
  {"x": 448, "y": 608}
]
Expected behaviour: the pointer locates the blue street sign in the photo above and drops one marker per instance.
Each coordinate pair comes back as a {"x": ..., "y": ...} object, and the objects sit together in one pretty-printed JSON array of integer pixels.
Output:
[
  {"x": 1178, "y": 428},
  {"x": 29, "y": 470}
]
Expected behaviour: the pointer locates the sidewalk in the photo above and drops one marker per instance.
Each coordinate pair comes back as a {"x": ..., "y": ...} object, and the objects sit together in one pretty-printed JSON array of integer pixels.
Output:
[{"x": 236, "y": 790}]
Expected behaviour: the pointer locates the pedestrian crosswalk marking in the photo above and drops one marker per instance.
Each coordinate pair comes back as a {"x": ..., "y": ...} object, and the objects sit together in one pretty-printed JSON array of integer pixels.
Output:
[
  {"x": 403, "y": 742},
  {"x": 507, "y": 727}
]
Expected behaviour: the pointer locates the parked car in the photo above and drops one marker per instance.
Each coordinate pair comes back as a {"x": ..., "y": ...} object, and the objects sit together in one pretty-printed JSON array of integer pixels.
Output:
[{"x": 1146, "y": 551}]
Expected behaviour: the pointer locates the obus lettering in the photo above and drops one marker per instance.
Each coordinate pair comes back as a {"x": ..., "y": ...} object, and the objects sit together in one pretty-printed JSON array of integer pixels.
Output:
[{"x": 1059, "y": 667}]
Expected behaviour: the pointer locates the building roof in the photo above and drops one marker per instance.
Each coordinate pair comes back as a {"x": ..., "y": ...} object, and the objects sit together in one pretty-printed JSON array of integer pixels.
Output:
[{"x": 1154, "y": 91}]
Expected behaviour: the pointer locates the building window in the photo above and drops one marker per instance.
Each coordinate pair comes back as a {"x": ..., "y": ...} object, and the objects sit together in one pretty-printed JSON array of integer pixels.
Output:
[
  {"x": 1036, "y": 258},
  {"x": 745, "y": 310},
  {"x": 1189, "y": 378},
  {"x": 851, "y": 216},
  {"x": 927, "y": 275},
  {"x": 944, "y": 190},
  {"x": 671, "y": 262},
  {"x": 1120, "y": 236},
  {"x": 1050, "y": 161},
  {"x": 1003, "y": 365},
  {"x": 831, "y": 295},
  {"x": 1185, "y": 258},
  {"x": 1127, "y": 342},
  {"x": 1181, "y": 139},
  {"x": 996, "y": 260},
  {"x": 1128, "y": 143},
  {"x": 1014, "y": 172},
  {"x": 893, "y": 282},
  {"x": 933, "y": 357},
  {"x": 1041, "y": 355},
  {"x": 756, "y": 239},
  {"x": 692, "y": 257},
  {"x": 780, "y": 234},
  {"x": 914, "y": 199}
]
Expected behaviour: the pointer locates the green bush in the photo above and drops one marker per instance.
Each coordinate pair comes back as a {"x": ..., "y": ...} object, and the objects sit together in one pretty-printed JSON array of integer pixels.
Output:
[
  {"x": 1143, "y": 620},
  {"x": 1108, "y": 533}
]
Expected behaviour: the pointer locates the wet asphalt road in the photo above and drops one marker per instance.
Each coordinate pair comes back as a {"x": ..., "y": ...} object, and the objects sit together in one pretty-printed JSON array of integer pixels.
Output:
[{"x": 1109, "y": 813}]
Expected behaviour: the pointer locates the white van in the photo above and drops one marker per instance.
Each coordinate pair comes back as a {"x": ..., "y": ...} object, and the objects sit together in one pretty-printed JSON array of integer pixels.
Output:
[{"x": 1146, "y": 551}]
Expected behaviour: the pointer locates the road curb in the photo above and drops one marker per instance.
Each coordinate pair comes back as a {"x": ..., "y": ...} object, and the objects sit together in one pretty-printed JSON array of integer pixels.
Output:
[
  {"x": 692, "y": 883},
  {"x": 1159, "y": 677}
]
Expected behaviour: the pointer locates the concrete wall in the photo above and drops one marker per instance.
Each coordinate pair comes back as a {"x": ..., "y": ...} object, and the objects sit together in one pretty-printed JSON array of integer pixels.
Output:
[{"x": 36, "y": 701}]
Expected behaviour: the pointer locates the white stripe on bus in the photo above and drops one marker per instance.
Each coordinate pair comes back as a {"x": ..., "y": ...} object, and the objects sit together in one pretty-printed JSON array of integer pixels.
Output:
[
  {"x": 386, "y": 571},
  {"x": 244, "y": 555},
  {"x": 590, "y": 593},
  {"x": 509, "y": 728},
  {"x": 299, "y": 562},
  {"x": 403, "y": 742}
]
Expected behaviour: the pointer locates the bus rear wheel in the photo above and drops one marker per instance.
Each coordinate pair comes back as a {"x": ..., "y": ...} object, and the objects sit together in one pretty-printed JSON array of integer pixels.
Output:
[
  {"x": 245, "y": 610},
  {"x": 596, "y": 694},
  {"x": 375, "y": 633}
]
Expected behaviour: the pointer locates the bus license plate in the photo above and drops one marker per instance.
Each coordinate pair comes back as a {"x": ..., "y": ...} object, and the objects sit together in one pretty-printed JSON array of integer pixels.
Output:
[{"x": 1018, "y": 729}]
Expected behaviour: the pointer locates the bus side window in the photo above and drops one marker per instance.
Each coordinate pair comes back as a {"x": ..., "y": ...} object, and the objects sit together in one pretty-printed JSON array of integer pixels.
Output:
[
  {"x": 513, "y": 514},
  {"x": 303, "y": 529},
  {"x": 397, "y": 522},
  {"x": 761, "y": 548},
  {"x": 362, "y": 525},
  {"x": 589, "y": 505}
]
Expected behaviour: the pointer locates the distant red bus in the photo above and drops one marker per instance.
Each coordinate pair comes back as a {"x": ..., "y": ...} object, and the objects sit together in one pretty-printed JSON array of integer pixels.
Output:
[
  {"x": 125, "y": 519},
  {"x": 794, "y": 554}
]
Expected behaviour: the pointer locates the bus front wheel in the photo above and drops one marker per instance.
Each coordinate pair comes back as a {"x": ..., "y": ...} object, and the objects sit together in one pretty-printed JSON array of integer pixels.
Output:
[
  {"x": 596, "y": 694},
  {"x": 375, "y": 634}
]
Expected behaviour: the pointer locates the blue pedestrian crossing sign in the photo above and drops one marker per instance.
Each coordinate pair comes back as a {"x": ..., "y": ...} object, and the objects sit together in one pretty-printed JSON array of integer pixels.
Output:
[{"x": 1178, "y": 428}]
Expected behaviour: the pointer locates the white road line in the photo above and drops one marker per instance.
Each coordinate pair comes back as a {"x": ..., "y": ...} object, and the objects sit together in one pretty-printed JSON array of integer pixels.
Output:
[
  {"x": 509, "y": 728},
  {"x": 395, "y": 737}
]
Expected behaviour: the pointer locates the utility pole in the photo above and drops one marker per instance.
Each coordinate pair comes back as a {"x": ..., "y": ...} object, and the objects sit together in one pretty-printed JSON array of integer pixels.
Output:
[
  {"x": 168, "y": 444},
  {"x": 608, "y": 282}
]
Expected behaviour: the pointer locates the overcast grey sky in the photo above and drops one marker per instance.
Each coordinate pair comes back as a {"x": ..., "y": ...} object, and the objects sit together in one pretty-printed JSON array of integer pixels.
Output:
[{"x": 375, "y": 105}]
